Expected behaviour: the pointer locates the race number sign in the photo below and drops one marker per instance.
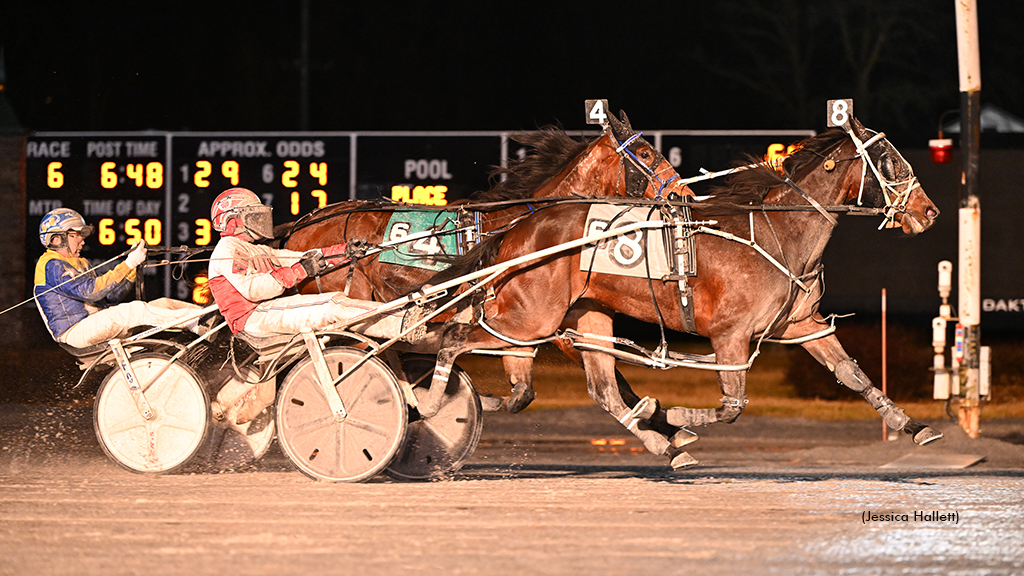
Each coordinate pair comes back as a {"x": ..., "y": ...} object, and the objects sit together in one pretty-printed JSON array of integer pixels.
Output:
[
  {"x": 639, "y": 253},
  {"x": 597, "y": 111},
  {"x": 840, "y": 112},
  {"x": 422, "y": 252}
]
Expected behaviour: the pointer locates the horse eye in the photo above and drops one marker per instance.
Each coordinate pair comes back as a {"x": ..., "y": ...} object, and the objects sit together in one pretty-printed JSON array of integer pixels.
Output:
[
  {"x": 645, "y": 154},
  {"x": 885, "y": 166}
]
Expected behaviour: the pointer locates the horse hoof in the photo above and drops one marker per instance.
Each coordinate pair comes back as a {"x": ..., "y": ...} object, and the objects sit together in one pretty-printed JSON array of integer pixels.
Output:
[
  {"x": 926, "y": 435},
  {"x": 522, "y": 396},
  {"x": 683, "y": 437},
  {"x": 682, "y": 461}
]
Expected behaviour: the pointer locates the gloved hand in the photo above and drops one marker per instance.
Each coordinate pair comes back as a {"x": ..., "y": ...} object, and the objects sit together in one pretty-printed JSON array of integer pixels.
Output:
[
  {"x": 137, "y": 255},
  {"x": 358, "y": 247},
  {"x": 313, "y": 263}
]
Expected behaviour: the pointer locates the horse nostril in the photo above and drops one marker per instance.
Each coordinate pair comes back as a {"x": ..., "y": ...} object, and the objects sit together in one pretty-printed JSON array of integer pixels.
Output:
[{"x": 931, "y": 212}]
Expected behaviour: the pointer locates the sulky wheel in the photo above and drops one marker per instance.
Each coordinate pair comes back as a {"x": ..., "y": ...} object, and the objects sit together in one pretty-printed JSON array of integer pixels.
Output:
[
  {"x": 359, "y": 446},
  {"x": 178, "y": 428},
  {"x": 243, "y": 423},
  {"x": 438, "y": 446}
]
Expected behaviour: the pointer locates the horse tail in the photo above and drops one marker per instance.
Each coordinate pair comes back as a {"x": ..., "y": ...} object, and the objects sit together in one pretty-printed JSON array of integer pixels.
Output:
[{"x": 484, "y": 254}]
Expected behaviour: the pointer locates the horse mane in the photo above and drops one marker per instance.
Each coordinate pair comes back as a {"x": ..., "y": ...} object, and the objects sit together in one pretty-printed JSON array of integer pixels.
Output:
[
  {"x": 750, "y": 187},
  {"x": 550, "y": 150}
]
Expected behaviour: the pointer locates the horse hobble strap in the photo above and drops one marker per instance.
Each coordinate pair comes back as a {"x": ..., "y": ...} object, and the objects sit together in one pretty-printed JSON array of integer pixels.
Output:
[{"x": 682, "y": 259}]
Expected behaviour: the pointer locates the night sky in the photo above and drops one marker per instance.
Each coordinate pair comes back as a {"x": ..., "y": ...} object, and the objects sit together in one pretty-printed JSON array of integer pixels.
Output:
[{"x": 222, "y": 66}]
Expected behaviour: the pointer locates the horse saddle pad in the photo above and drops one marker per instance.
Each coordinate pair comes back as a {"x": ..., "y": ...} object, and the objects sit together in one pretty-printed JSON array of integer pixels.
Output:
[
  {"x": 423, "y": 251},
  {"x": 641, "y": 253}
]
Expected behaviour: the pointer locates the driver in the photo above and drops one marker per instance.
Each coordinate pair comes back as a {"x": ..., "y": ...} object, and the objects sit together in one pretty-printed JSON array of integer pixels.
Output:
[
  {"x": 77, "y": 302},
  {"x": 248, "y": 279}
]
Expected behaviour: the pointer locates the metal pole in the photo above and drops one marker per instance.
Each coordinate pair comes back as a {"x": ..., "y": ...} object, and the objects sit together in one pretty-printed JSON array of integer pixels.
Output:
[
  {"x": 885, "y": 361},
  {"x": 969, "y": 296},
  {"x": 304, "y": 68}
]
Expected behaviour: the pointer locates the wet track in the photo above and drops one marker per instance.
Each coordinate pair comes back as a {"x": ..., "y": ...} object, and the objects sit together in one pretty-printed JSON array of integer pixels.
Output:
[{"x": 547, "y": 492}]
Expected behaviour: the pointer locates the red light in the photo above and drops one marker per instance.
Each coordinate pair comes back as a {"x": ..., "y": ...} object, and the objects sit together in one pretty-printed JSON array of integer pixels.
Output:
[{"x": 941, "y": 150}]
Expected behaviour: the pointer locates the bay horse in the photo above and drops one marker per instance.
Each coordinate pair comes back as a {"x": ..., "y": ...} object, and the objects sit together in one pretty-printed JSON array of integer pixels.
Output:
[
  {"x": 619, "y": 162},
  {"x": 743, "y": 290}
]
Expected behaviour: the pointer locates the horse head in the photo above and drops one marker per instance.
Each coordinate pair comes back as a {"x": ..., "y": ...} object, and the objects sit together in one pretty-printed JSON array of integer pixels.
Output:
[
  {"x": 887, "y": 182},
  {"x": 647, "y": 173}
]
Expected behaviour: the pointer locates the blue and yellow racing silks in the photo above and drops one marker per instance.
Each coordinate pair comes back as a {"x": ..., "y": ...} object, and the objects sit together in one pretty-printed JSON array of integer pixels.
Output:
[{"x": 64, "y": 306}]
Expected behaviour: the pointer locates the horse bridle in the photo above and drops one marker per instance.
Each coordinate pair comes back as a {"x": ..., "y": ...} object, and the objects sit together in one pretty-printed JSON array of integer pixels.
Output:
[
  {"x": 636, "y": 168},
  {"x": 895, "y": 200}
]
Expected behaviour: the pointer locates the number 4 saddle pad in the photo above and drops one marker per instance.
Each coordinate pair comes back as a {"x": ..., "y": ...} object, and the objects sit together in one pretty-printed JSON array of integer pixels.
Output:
[{"x": 422, "y": 252}]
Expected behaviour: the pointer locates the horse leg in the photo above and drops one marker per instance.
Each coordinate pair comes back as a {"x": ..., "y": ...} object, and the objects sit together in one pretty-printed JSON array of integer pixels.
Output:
[
  {"x": 830, "y": 353},
  {"x": 456, "y": 340},
  {"x": 519, "y": 371},
  {"x": 728, "y": 350},
  {"x": 588, "y": 317},
  {"x": 602, "y": 387}
]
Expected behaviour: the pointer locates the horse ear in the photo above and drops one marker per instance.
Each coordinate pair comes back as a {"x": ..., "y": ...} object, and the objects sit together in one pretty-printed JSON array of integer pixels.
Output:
[
  {"x": 620, "y": 128},
  {"x": 858, "y": 129}
]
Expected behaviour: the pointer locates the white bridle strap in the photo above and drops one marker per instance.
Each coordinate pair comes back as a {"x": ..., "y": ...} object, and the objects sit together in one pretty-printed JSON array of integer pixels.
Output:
[{"x": 894, "y": 200}]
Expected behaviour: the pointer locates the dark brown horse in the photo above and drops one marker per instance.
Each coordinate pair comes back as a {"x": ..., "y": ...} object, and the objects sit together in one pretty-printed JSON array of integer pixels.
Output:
[
  {"x": 617, "y": 163},
  {"x": 742, "y": 291}
]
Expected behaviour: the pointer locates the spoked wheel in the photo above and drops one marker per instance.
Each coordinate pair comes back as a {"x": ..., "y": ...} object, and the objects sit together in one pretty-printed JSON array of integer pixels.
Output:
[
  {"x": 364, "y": 442},
  {"x": 438, "y": 446},
  {"x": 181, "y": 419},
  {"x": 239, "y": 438}
]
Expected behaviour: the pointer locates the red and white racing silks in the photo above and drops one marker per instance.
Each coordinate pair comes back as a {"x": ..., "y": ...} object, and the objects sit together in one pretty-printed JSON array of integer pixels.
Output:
[{"x": 248, "y": 280}]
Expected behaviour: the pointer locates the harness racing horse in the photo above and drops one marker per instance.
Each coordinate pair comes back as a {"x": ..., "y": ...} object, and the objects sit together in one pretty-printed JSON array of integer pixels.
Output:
[
  {"x": 757, "y": 276},
  {"x": 617, "y": 163}
]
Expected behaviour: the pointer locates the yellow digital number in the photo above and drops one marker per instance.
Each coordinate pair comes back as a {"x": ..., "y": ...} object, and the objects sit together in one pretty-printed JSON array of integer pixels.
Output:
[
  {"x": 318, "y": 170},
  {"x": 154, "y": 175},
  {"x": 131, "y": 228},
  {"x": 106, "y": 233},
  {"x": 153, "y": 231},
  {"x": 230, "y": 171},
  {"x": 291, "y": 170},
  {"x": 54, "y": 177},
  {"x": 203, "y": 235},
  {"x": 203, "y": 169},
  {"x": 778, "y": 152},
  {"x": 295, "y": 202},
  {"x": 135, "y": 172},
  {"x": 201, "y": 291},
  {"x": 108, "y": 178},
  {"x": 321, "y": 198}
]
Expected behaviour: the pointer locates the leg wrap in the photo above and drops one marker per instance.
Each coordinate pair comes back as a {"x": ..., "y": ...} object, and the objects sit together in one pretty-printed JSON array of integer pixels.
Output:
[
  {"x": 680, "y": 417},
  {"x": 655, "y": 442},
  {"x": 851, "y": 376},
  {"x": 893, "y": 416},
  {"x": 731, "y": 409}
]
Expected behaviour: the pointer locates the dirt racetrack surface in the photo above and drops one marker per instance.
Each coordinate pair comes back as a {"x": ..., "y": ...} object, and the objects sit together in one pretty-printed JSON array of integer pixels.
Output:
[{"x": 558, "y": 491}]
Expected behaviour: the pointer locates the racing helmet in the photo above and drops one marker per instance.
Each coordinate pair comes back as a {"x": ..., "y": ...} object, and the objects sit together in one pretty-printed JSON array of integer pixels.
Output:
[
  {"x": 61, "y": 221},
  {"x": 242, "y": 204}
]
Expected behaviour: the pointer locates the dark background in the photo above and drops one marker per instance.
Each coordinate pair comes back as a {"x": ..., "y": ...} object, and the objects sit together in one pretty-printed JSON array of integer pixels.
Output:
[{"x": 215, "y": 65}]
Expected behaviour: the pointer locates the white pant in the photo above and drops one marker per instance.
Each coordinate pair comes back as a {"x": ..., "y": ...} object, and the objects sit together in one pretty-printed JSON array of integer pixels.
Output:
[
  {"x": 115, "y": 322},
  {"x": 290, "y": 314}
]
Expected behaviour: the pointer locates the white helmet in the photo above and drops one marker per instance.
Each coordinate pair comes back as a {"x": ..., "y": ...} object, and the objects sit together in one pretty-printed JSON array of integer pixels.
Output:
[
  {"x": 61, "y": 221},
  {"x": 243, "y": 205}
]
